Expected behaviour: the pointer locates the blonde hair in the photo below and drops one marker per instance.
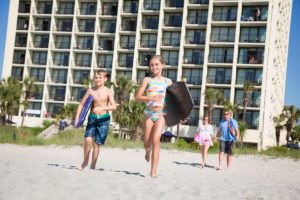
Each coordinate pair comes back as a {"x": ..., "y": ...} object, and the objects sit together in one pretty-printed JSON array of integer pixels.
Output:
[
  {"x": 101, "y": 71},
  {"x": 159, "y": 57}
]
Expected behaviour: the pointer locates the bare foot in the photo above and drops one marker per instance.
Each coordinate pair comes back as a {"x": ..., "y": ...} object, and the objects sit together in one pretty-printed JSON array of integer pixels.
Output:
[
  {"x": 202, "y": 166},
  {"x": 147, "y": 156},
  {"x": 83, "y": 165},
  {"x": 218, "y": 168},
  {"x": 152, "y": 175},
  {"x": 92, "y": 167}
]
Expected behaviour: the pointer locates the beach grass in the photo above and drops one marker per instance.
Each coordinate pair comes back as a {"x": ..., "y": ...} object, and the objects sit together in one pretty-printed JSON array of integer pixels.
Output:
[{"x": 71, "y": 137}]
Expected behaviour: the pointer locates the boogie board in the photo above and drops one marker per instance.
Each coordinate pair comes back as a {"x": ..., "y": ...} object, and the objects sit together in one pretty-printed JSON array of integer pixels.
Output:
[
  {"x": 85, "y": 110},
  {"x": 179, "y": 103}
]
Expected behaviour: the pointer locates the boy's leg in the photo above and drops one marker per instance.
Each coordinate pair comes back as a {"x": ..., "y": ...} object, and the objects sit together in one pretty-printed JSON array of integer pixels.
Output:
[
  {"x": 95, "y": 155},
  {"x": 148, "y": 124},
  {"x": 221, "y": 154},
  {"x": 86, "y": 152},
  {"x": 229, "y": 159},
  {"x": 156, "y": 134}
]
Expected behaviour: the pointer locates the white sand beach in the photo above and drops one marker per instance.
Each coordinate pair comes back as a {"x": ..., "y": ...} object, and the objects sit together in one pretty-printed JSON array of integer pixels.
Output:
[{"x": 50, "y": 173}]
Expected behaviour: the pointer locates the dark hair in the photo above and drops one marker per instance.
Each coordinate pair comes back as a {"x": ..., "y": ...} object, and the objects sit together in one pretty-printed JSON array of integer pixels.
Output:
[
  {"x": 101, "y": 71},
  {"x": 159, "y": 57}
]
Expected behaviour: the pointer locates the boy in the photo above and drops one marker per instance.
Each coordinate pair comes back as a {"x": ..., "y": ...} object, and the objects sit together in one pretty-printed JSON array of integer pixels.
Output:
[{"x": 99, "y": 118}]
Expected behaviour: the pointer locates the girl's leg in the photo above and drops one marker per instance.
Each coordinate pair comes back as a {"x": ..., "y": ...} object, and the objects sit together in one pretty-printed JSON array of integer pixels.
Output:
[
  {"x": 206, "y": 147},
  {"x": 203, "y": 155},
  {"x": 95, "y": 155},
  {"x": 148, "y": 124},
  {"x": 86, "y": 152},
  {"x": 156, "y": 134}
]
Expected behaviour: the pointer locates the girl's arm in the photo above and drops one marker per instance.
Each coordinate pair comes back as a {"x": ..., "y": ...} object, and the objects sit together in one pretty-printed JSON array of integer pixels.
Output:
[
  {"x": 80, "y": 106},
  {"x": 140, "y": 94}
]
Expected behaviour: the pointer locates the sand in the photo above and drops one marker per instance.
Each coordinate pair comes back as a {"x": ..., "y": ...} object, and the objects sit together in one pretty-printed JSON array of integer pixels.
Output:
[{"x": 51, "y": 173}]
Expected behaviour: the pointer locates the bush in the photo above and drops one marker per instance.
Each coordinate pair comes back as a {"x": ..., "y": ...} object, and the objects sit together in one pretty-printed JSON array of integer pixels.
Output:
[{"x": 47, "y": 123}]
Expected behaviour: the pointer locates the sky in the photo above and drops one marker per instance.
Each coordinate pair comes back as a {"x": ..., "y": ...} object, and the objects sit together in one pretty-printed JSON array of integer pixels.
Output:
[{"x": 292, "y": 89}]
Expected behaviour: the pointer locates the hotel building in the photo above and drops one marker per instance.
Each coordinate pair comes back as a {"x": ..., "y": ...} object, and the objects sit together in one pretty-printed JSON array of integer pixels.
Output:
[{"x": 208, "y": 43}]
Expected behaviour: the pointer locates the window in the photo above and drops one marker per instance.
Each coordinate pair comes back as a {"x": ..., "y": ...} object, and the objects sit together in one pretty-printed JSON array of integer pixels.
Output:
[
  {"x": 251, "y": 56},
  {"x": 219, "y": 76},
  {"x": 148, "y": 40},
  {"x": 19, "y": 57},
  {"x": 223, "y": 34},
  {"x": 170, "y": 57},
  {"x": 255, "y": 13},
  {"x": 105, "y": 61},
  {"x": 196, "y": 95},
  {"x": 65, "y": 8},
  {"x": 221, "y": 55},
  {"x": 192, "y": 76},
  {"x": 127, "y": 42},
  {"x": 195, "y": 36},
  {"x": 39, "y": 58},
  {"x": 193, "y": 56},
  {"x": 253, "y": 34},
  {"x": 84, "y": 43},
  {"x": 171, "y": 39},
  {"x": 17, "y": 73},
  {"x": 151, "y": 4},
  {"x": 21, "y": 40},
  {"x": 224, "y": 13},
  {"x": 88, "y": 8},
  {"x": 38, "y": 74},
  {"x": 197, "y": 17},
  {"x": 83, "y": 59},
  {"x": 251, "y": 75},
  {"x": 61, "y": 59},
  {"x": 62, "y": 42},
  {"x": 125, "y": 60},
  {"x": 108, "y": 26}
]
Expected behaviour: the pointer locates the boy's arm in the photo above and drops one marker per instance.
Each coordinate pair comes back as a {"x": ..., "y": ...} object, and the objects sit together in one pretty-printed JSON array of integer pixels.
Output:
[
  {"x": 237, "y": 132},
  {"x": 80, "y": 106}
]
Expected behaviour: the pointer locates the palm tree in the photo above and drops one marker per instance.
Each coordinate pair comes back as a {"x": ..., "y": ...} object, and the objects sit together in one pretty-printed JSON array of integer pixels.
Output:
[
  {"x": 279, "y": 124},
  {"x": 211, "y": 97},
  {"x": 242, "y": 129},
  {"x": 69, "y": 111},
  {"x": 123, "y": 87},
  {"x": 296, "y": 133},
  {"x": 10, "y": 94},
  {"x": 248, "y": 87},
  {"x": 29, "y": 89},
  {"x": 293, "y": 114},
  {"x": 230, "y": 107}
]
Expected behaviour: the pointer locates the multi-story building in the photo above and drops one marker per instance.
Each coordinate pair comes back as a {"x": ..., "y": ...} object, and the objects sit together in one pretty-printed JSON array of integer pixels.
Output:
[{"x": 208, "y": 43}]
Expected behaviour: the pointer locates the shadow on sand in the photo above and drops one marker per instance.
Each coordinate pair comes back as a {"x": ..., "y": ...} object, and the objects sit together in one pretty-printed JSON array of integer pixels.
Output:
[
  {"x": 63, "y": 166},
  {"x": 193, "y": 164}
]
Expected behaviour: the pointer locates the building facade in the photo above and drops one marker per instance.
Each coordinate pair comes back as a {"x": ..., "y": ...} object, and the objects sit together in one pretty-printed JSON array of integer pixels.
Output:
[{"x": 216, "y": 44}]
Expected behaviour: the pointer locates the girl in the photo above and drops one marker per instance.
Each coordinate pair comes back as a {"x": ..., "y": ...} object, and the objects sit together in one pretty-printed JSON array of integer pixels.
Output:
[
  {"x": 154, "y": 121},
  {"x": 204, "y": 138}
]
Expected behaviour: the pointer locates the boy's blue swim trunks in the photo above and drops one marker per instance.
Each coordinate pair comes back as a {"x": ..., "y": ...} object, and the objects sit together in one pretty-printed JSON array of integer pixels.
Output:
[{"x": 97, "y": 127}]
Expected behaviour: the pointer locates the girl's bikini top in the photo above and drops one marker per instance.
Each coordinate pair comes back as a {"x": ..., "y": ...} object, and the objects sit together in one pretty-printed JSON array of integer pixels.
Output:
[{"x": 157, "y": 88}]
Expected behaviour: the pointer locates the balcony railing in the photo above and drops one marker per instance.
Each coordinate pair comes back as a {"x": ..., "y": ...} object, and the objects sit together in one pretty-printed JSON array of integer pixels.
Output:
[
  {"x": 37, "y": 61},
  {"x": 174, "y": 3},
  {"x": 109, "y": 11},
  {"x": 38, "y": 78},
  {"x": 252, "y": 38},
  {"x": 56, "y": 97},
  {"x": 171, "y": 61},
  {"x": 222, "y": 37},
  {"x": 75, "y": 98},
  {"x": 192, "y": 121},
  {"x": 125, "y": 63},
  {"x": 85, "y": 28},
  {"x": 195, "y": 40},
  {"x": 251, "y": 59},
  {"x": 42, "y": 10},
  {"x": 104, "y": 64},
  {"x": 37, "y": 95},
  {"x": 215, "y": 58},
  {"x": 214, "y": 79},
  {"x": 38, "y": 44},
  {"x": 80, "y": 80},
  {"x": 150, "y": 24},
  {"x": 173, "y": 22},
  {"x": 61, "y": 62},
  {"x": 127, "y": 45},
  {"x": 82, "y": 63},
  {"x": 107, "y": 45},
  {"x": 254, "y": 103},
  {"x": 196, "y": 60},
  {"x": 22, "y": 26},
  {"x": 224, "y": 16},
  {"x": 197, "y": 20},
  {"x": 133, "y": 8},
  {"x": 19, "y": 61},
  {"x": 63, "y": 28},
  {"x": 57, "y": 79},
  {"x": 110, "y": 28},
  {"x": 175, "y": 42},
  {"x": 83, "y": 46},
  {"x": 151, "y": 6},
  {"x": 241, "y": 79},
  {"x": 87, "y": 11},
  {"x": 194, "y": 80},
  {"x": 128, "y": 26},
  {"x": 40, "y": 27},
  {"x": 148, "y": 43},
  {"x": 20, "y": 43},
  {"x": 199, "y": 1},
  {"x": 144, "y": 60},
  {"x": 62, "y": 45},
  {"x": 64, "y": 11}
]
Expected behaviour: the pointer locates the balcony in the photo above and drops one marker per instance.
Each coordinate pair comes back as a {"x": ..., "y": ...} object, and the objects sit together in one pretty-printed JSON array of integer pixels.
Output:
[
  {"x": 253, "y": 80},
  {"x": 192, "y": 121},
  {"x": 24, "y": 7},
  {"x": 56, "y": 97},
  {"x": 37, "y": 95},
  {"x": 148, "y": 43},
  {"x": 75, "y": 98},
  {"x": 173, "y": 21},
  {"x": 144, "y": 59},
  {"x": 81, "y": 80},
  {"x": 128, "y": 26},
  {"x": 83, "y": 63},
  {"x": 224, "y": 16},
  {"x": 175, "y": 42},
  {"x": 174, "y": 3},
  {"x": 252, "y": 38},
  {"x": 39, "y": 44},
  {"x": 194, "y": 80},
  {"x": 64, "y": 10},
  {"x": 104, "y": 64},
  {"x": 38, "y": 78},
  {"x": 131, "y": 8},
  {"x": 199, "y": 1},
  {"x": 195, "y": 60},
  {"x": 22, "y": 26},
  {"x": 62, "y": 45},
  {"x": 109, "y": 28},
  {"x": 252, "y": 59},
  {"x": 107, "y": 45},
  {"x": 217, "y": 58},
  {"x": 254, "y": 13},
  {"x": 21, "y": 43},
  {"x": 41, "y": 27},
  {"x": 61, "y": 62},
  {"x": 87, "y": 11},
  {"x": 63, "y": 27},
  {"x": 128, "y": 62},
  {"x": 38, "y": 61},
  {"x": 83, "y": 46},
  {"x": 171, "y": 61},
  {"x": 222, "y": 37},
  {"x": 254, "y": 103},
  {"x": 196, "y": 100},
  {"x": 86, "y": 28},
  {"x": 127, "y": 45},
  {"x": 57, "y": 79},
  {"x": 152, "y": 6},
  {"x": 214, "y": 79},
  {"x": 42, "y": 10},
  {"x": 151, "y": 23},
  {"x": 195, "y": 40},
  {"x": 200, "y": 20},
  {"x": 19, "y": 60},
  {"x": 109, "y": 9}
]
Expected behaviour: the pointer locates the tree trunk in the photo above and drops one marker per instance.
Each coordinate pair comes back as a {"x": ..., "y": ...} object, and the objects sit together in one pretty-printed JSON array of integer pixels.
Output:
[
  {"x": 177, "y": 133},
  {"x": 277, "y": 131},
  {"x": 23, "y": 118}
]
